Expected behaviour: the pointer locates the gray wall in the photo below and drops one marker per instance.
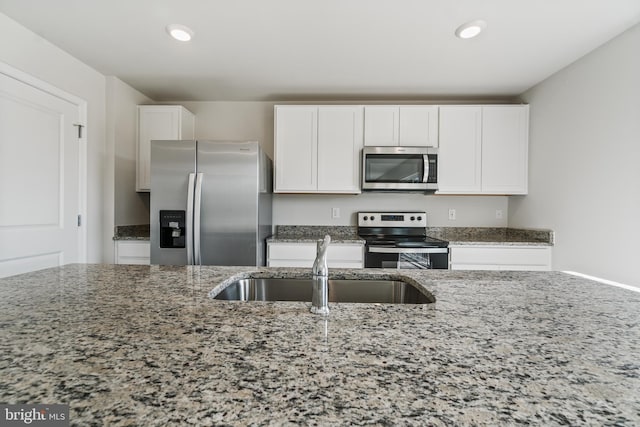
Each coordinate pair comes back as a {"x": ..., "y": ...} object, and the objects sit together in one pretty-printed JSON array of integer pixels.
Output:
[
  {"x": 130, "y": 207},
  {"x": 584, "y": 162}
]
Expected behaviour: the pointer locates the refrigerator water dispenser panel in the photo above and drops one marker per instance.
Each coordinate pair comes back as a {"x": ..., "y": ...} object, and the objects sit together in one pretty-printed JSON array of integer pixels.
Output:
[{"x": 172, "y": 229}]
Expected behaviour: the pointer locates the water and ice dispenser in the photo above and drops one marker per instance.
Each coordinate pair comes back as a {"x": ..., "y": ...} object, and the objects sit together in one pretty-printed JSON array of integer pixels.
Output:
[{"x": 172, "y": 229}]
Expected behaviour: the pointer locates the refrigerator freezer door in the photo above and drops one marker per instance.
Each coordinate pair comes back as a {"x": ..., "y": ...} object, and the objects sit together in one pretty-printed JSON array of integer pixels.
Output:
[
  {"x": 171, "y": 164},
  {"x": 229, "y": 210}
]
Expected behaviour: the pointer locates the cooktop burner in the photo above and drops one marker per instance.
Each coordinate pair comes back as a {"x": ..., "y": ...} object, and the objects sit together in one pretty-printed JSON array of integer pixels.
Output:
[{"x": 399, "y": 229}]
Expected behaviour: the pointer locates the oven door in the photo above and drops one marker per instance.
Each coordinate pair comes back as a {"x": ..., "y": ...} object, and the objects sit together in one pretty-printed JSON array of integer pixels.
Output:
[
  {"x": 399, "y": 168},
  {"x": 406, "y": 258}
]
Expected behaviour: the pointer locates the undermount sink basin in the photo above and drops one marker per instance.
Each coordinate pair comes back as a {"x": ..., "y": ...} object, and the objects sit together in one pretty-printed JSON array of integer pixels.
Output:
[{"x": 340, "y": 290}]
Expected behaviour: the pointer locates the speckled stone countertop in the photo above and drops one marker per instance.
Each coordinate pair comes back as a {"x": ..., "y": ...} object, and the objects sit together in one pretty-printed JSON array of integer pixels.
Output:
[
  {"x": 145, "y": 345},
  {"x": 493, "y": 236},
  {"x": 311, "y": 233},
  {"x": 131, "y": 232},
  {"x": 349, "y": 234}
]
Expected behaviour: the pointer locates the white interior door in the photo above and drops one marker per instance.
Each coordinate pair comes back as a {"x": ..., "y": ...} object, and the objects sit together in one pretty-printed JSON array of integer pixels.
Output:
[{"x": 40, "y": 179}]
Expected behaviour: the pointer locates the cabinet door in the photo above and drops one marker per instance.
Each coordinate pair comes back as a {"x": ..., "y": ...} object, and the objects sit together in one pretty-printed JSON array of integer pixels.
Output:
[
  {"x": 339, "y": 255},
  {"x": 133, "y": 252},
  {"x": 418, "y": 126},
  {"x": 500, "y": 257},
  {"x": 156, "y": 122},
  {"x": 381, "y": 125},
  {"x": 459, "y": 159},
  {"x": 505, "y": 135},
  {"x": 339, "y": 145},
  {"x": 296, "y": 148}
]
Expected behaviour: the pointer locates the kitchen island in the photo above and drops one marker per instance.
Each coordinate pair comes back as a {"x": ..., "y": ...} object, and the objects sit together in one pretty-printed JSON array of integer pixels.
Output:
[{"x": 146, "y": 345}]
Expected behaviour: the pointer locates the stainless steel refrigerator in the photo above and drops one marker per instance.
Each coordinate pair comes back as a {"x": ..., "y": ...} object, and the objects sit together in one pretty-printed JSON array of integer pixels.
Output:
[{"x": 210, "y": 203}]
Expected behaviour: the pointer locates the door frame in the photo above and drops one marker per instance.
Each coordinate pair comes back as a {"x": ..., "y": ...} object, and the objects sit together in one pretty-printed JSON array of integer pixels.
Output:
[{"x": 81, "y": 104}]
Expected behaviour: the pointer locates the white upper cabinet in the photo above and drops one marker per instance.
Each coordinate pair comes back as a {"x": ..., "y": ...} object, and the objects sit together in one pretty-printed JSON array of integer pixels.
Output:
[
  {"x": 404, "y": 125},
  {"x": 169, "y": 122},
  {"x": 339, "y": 145},
  {"x": 296, "y": 148},
  {"x": 418, "y": 126},
  {"x": 483, "y": 149},
  {"x": 317, "y": 148},
  {"x": 459, "y": 156},
  {"x": 381, "y": 125},
  {"x": 505, "y": 145}
]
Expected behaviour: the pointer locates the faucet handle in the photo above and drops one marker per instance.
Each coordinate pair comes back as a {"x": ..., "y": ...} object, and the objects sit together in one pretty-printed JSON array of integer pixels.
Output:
[{"x": 322, "y": 245}]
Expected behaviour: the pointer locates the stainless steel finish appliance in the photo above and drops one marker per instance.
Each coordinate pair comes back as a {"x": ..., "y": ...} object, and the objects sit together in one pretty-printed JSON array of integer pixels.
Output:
[
  {"x": 210, "y": 203},
  {"x": 400, "y": 168},
  {"x": 399, "y": 240}
]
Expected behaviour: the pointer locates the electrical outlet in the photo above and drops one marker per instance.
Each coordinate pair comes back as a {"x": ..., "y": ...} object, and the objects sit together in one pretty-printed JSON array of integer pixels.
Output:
[
  {"x": 452, "y": 214},
  {"x": 335, "y": 212},
  {"x": 498, "y": 213}
]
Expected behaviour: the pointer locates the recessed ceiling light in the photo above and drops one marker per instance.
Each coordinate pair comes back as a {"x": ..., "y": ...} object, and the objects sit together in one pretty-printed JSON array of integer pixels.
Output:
[
  {"x": 471, "y": 29},
  {"x": 180, "y": 32}
]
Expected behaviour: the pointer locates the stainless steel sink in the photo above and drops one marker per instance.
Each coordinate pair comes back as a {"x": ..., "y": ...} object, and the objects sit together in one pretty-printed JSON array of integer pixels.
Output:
[{"x": 359, "y": 291}]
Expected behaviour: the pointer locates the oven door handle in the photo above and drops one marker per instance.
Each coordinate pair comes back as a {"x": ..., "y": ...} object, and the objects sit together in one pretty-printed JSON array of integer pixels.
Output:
[{"x": 394, "y": 250}]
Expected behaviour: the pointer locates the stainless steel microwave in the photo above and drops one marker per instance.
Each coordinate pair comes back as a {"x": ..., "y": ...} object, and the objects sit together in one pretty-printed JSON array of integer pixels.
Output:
[{"x": 400, "y": 168}]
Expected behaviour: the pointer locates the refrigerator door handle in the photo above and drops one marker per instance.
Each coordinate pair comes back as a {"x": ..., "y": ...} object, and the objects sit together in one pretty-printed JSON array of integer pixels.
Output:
[
  {"x": 196, "y": 218},
  {"x": 189, "y": 243}
]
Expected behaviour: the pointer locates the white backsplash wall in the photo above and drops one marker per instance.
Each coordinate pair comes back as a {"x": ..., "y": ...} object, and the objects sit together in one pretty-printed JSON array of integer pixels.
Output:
[{"x": 312, "y": 209}]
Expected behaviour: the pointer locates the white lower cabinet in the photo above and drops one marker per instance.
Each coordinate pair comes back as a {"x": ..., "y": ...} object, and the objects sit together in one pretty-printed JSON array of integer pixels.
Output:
[
  {"x": 294, "y": 254},
  {"x": 500, "y": 257},
  {"x": 133, "y": 252}
]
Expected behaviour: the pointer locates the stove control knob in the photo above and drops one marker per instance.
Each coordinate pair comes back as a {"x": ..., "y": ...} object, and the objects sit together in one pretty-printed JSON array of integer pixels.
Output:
[
  {"x": 413, "y": 218},
  {"x": 365, "y": 218},
  {"x": 372, "y": 217},
  {"x": 419, "y": 218}
]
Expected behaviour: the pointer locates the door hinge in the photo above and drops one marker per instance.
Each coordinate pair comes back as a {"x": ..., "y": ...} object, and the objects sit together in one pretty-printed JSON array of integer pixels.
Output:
[
  {"x": 79, "y": 220},
  {"x": 79, "y": 126}
]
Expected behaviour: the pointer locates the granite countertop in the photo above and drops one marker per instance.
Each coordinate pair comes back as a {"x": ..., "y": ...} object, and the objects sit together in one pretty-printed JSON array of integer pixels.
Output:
[
  {"x": 145, "y": 345},
  {"x": 312, "y": 233},
  {"x": 463, "y": 236},
  {"x": 349, "y": 234},
  {"x": 131, "y": 232}
]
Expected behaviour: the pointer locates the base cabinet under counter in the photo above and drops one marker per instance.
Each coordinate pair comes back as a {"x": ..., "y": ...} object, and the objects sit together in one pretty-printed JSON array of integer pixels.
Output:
[
  {"x": 303, "y": 254},
  {"x": 500, "y": 257},
  {"x": 132, "y": 252}
]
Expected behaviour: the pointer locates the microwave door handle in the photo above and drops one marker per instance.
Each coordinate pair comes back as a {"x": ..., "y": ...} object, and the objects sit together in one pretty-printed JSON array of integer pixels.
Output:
[{"x": 425, "y": 168}]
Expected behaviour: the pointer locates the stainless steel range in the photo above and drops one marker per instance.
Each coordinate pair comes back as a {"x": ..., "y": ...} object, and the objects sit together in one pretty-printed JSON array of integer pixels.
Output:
[{"x": 399, "y": 240}]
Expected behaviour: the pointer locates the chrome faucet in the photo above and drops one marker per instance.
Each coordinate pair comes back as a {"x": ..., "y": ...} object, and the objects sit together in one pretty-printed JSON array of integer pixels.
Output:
[{"x": 320, "y": 296}]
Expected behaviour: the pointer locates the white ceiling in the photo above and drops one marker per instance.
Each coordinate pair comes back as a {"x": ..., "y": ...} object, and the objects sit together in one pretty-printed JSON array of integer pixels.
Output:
[{"x": 326, "y": 49}]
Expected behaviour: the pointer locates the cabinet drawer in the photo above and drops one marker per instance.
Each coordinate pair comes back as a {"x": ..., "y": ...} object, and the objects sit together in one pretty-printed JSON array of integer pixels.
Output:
[
  {"x": 308, "y": 251},
  {"x": 308, "y": 263},
  {"x": 134, "y": 249},
  {"x": 339, "y": 255},
  {"x": 291, "y": 251},
  {"x": 501, "y": 257}
]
